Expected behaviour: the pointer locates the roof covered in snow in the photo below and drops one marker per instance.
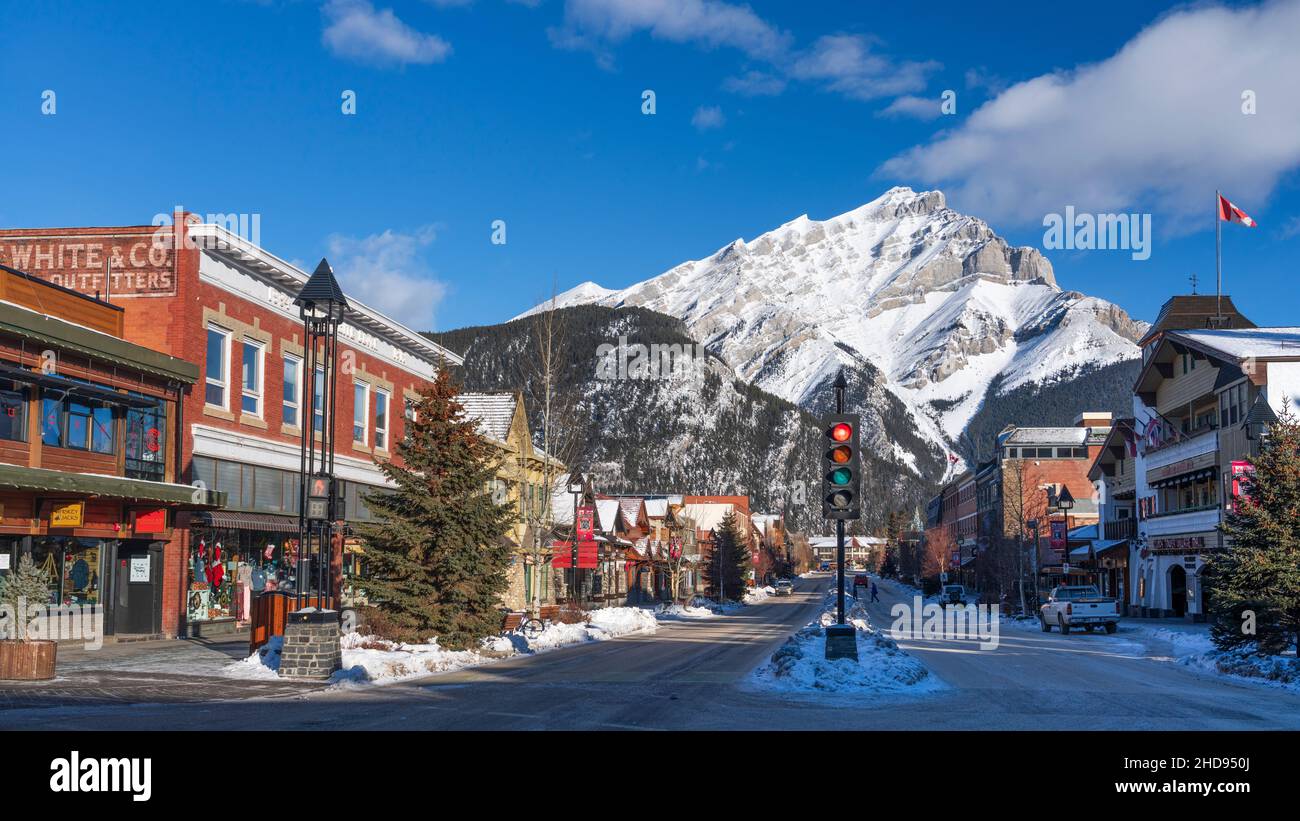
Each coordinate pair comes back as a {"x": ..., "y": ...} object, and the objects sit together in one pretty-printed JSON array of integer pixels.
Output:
[
  {"x": 1244, "y": 343},
  {"x": 1078, "y": 436},
  {"x": 492, "y": 412}
]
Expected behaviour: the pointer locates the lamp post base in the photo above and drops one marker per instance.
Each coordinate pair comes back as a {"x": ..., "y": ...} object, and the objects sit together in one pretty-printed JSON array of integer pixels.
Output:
[
  {"x": 841, "y": 642},
  {"x": 311, "y": 644}
]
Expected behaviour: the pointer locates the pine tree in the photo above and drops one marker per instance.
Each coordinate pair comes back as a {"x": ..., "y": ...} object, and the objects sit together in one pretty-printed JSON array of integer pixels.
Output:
[
  {"x": 436, "y": 552},
  {"x": 1260, "y": 570},
  {"x": 22, "y": 591},
  {"x": 729, "y": 562}
]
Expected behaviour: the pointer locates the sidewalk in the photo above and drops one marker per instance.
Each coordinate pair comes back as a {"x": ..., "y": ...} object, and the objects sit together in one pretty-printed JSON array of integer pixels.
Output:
[{"x": 168, "y": 671}]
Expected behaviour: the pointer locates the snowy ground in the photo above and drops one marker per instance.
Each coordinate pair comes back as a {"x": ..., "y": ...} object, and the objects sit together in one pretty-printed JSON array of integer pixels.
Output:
[
  {"x": 800, "y": 666},
  {"x": 369, "y": 660}
]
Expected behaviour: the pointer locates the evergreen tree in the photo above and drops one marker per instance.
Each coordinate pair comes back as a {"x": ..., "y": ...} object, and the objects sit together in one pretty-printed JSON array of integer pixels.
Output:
[
  {"x": 730, "y": 561},
  {"x": 23, "y": 591},
  {"x": 1260, "y": 570},
  {"x": 437, "y": 559}
]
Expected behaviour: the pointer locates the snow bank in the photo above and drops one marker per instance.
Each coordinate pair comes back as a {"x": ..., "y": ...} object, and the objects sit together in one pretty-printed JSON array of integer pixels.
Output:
[
  {"x": 676, "y": 611},
  {"x": 754, "y": 595},
  {"x": 1245, "y": 663},
  {"x": 372, "y": 660},
  {"x": 800, "y": 665}
]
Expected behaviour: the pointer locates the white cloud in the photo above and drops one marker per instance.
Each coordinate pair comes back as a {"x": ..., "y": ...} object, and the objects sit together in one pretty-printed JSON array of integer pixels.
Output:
[
  {"x": 358, "y": 31},
  {"x": 755, "y": 84},
  {"x": 922, "y": 108},
  {"x": 846, "y": 63},
  {"x": 1159, "y": 125},
  {"x": 387, "y": 272},
  {"x": 588, "y": 23},
  {"x": 707, "y": 117},
  {"x": 1290, "y": 228}
]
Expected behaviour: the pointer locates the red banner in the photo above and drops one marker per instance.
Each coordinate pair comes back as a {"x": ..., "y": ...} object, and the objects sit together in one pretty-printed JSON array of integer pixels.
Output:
[
  {"x": 562, "y": 555},
  {"x": 586, "y": 523},
  {"x": 1059, "y": 538}
]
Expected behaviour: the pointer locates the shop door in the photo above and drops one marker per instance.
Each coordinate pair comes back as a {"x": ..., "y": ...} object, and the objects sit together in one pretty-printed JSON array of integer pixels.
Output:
[
  {"x": 1178, "y": 590},
  {"x": 138, "y": 589}
]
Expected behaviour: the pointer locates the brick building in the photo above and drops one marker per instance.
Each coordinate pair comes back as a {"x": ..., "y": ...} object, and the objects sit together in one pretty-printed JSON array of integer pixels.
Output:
[
  {"x": 202, "y": 294},
  {"x": 89, "y": 457}
]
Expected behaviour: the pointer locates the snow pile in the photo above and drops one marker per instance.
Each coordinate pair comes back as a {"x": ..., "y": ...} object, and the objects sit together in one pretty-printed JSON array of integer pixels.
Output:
[
  {"x": 1185, "y": 642},
  {"x": 372, "y": 660},
  {"x": 264, "y": 662},
  {"x": 801, "y": 666},
  {"x": 1246, "y": 662},
  {"x": 677, "y": 611},
  {"x": 754, "y": 595}
]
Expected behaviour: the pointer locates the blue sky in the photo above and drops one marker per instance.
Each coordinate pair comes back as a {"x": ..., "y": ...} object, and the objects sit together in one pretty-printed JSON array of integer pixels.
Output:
[{"x": 530, "y": 112}]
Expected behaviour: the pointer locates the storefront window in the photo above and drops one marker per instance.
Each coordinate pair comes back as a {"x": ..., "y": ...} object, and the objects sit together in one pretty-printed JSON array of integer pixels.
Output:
[
  {"x": 71, "y": 567},
  {"x": 73, "y": 423},
  {"x": 228, "y": 567}
]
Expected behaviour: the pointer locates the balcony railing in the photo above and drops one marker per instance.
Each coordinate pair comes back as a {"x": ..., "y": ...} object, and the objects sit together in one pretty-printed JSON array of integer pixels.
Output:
[
  {"x": 1203, "y": 441},
  {"x": 1118, "y": 529},
  {"x": 1182, "y": 510}
]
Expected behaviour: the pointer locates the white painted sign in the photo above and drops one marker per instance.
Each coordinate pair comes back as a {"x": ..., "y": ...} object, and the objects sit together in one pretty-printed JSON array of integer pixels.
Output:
[{"x": 140, "y": 568}]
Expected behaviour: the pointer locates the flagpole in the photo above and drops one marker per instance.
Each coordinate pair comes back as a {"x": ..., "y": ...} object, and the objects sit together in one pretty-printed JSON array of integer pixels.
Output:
[{"x": 1218, "y": 258}]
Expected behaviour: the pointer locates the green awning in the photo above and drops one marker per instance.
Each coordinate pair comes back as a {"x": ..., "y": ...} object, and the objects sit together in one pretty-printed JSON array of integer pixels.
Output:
[
  {"x": 67, "y": 336},
  {"x": 18, "y": 477}
]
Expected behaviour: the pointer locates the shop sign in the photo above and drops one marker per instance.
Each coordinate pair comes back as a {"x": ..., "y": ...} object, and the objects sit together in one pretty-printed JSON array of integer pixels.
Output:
[
  {"x": 120, "y": 265},
  {"x": 1183, "y": 544},
  {"x": 140, "y": 569},
  {"x": 1185, "y": 466},
  {"x": 67, "y": 514},
  {"x": 562, "y": 555},
  {"x": 151, "y": 521}
]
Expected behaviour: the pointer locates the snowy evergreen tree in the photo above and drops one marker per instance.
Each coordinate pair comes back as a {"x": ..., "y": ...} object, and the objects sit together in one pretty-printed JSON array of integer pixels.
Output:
[
  {"x": 729, "y": 562},
  {"x": 436, "y": 553},
  {"x": 1260, "y": 570},
  {"x": 22, "y": 591}
]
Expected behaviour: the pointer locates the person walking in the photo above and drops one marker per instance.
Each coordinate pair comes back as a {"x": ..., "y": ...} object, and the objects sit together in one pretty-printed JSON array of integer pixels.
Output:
[{"x": 874, "y": 597}]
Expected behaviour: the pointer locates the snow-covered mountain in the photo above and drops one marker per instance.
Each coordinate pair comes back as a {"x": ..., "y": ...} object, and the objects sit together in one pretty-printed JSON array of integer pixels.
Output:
[{"x": 915, "y": 299}]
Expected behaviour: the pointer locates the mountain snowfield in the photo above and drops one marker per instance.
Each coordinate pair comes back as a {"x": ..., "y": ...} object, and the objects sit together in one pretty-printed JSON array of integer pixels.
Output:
[{"x": 935, "y": 301}]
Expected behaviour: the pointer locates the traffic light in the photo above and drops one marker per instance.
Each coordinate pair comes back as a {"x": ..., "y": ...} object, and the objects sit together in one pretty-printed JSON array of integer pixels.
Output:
[{"x": 841, "y": 467}]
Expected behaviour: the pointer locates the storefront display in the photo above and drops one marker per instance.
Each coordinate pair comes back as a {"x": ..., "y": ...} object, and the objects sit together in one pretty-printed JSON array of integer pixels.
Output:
[
  {"x": 71, "y": 566},
  {"x": 228, "y": 567}
]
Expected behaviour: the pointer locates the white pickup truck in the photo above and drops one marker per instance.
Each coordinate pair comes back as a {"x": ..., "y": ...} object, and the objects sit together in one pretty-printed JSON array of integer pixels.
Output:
[{"x": 1078, "y": 605}]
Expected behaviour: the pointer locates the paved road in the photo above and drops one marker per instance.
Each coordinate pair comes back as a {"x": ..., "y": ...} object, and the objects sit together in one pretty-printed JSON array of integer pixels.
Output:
[{"x": 691, "y": 675}]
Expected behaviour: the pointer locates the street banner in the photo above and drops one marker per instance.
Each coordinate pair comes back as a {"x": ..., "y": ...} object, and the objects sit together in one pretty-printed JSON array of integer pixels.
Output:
[
  {"x": 1058, "y": 540},
  {"x": 586, "y": 523}
]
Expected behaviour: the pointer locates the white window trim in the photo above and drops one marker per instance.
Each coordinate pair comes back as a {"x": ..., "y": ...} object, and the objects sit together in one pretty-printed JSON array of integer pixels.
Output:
[
  {"x": 224, "y": 382},
  {"x": 260, "y": 394},
  {"x": 365, "y": 412},
  {"x": 296, "y": 403},
  {"x": 388, "y": 405}
]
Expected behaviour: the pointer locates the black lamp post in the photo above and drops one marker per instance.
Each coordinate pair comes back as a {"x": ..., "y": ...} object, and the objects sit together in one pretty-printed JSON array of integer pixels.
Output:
[
  {"x": 1065, "y": 503},
  {"x": 321, "y": 305},
  {"x": 576, "y": 486}
]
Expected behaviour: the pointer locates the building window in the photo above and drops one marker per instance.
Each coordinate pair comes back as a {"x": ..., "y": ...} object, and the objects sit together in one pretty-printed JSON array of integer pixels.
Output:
[
  {"x": 292, "y": 390},
  {"x": 68, "y": 423},
  {"x": 318, "y": 401},
  {"x": 218, "y": 366},
  {"x": 251, "y": 379},
  {"x": 360, "y": 410},
  {"x": 381, "y": 419},
  {"x": 146, "y": 442},
  {"x": 13, "y": 412}
]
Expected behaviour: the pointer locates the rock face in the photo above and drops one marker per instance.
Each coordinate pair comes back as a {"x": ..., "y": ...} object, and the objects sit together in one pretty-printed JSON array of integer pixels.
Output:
[{"x": 928, "y": 303}]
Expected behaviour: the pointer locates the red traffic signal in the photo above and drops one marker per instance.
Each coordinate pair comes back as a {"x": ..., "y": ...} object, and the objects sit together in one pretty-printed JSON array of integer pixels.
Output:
[
  {"x": 842, "y": 432},
  {"x": 841, "y": 467}
]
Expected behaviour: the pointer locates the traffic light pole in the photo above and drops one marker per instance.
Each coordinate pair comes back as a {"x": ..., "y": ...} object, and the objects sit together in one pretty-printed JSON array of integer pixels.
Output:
[{"x": 840, "y": 385}]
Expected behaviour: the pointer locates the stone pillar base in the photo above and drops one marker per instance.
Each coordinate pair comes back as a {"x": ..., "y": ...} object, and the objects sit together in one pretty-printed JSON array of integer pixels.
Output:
[
  {"x": 311, "y": 645},
  {"x": 841, "y": 641}
]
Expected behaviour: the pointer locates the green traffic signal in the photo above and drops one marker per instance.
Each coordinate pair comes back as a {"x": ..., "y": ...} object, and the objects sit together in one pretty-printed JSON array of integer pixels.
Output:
[{"x": 841, "y": 476}]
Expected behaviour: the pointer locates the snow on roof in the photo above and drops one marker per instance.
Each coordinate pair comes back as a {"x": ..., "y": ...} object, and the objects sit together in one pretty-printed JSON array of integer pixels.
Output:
[
  {"x": 707, "y": 515},
  {"x": 607, "y": 514},
  {"x": 1246, "y": 343},
  {"x": 656, "y": 507},
  {"x": 492, "y": 412},
  {"x": 1049, "y": 436},
  {"x": 631, "y": 506}
]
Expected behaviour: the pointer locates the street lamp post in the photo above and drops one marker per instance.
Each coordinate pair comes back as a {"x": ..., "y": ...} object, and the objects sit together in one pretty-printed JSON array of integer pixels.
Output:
[
  {"x": 316, "y": 652},
  {"x": 575, "y": 487}
]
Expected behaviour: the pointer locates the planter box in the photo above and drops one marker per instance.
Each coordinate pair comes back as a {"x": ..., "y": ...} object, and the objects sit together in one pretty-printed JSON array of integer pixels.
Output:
[{"x": 27, "y": 660}]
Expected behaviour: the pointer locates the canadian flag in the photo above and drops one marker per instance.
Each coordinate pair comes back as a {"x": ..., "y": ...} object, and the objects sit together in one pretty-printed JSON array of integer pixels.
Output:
[{"x": 1231, "y": 213}]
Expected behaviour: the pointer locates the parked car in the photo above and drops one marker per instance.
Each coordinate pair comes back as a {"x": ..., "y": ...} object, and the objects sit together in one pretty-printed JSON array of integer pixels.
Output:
[
  {"x": 783, "y": 587},
  {"x": 826, "y": 565},
  {"x": 862, "y": 580},
  {"x": 1078, "y": 605},
  {"x": 952, "y": 594}
]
